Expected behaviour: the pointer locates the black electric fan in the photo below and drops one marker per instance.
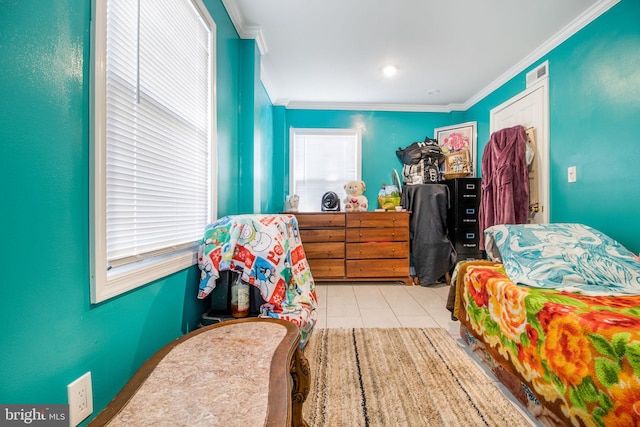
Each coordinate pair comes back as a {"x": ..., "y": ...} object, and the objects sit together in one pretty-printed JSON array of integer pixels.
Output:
[{"x": 330, "y": 202}]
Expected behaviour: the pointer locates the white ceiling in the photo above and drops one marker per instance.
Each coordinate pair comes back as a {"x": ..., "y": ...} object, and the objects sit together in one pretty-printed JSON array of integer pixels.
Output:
[{"x": 449, "y": 53}]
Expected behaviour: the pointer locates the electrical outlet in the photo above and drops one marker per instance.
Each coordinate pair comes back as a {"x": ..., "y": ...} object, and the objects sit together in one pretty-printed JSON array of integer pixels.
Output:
[{"x": 80, "y": 399}]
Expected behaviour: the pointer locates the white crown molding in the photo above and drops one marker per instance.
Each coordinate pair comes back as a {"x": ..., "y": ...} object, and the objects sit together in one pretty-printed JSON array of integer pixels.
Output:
[
  {"x": 418, "y": 108},
  {"x": 576, "y": 25},
  {"x": 245, "y": 31},
  {"x": 253, "y": 32}
]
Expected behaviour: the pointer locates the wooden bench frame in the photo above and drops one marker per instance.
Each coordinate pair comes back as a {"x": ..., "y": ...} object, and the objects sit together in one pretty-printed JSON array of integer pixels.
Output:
[{"x": 289, "y": 377}]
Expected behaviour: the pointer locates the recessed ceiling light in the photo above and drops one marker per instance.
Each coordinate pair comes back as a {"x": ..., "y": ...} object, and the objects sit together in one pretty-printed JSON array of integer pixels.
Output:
[{"x": 389, "y": 71}]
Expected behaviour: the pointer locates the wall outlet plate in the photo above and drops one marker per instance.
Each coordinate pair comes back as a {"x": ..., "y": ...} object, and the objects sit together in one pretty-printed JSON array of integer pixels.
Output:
[
  {"x": 80, "y": 398},
  {"x": 571, "y": 174}
]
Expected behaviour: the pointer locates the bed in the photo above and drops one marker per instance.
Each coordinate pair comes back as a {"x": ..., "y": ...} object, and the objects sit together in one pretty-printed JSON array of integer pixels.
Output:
[
  {"x": 267, "y": 252},
  {"x": 555, "y": 314}
]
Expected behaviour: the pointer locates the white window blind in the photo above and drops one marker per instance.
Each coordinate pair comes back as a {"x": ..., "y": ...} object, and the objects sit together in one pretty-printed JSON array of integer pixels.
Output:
[
  {"x": 155, "y": 145},
  {"x": 323, "y": 160}
]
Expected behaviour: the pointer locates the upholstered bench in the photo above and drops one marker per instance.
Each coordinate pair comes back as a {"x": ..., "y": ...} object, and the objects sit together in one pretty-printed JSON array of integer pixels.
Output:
[{"x": 248, "y": 372}]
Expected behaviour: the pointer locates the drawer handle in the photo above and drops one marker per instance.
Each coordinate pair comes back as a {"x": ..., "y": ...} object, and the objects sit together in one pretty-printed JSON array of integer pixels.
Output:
[
  {"x": 469, "y": 245},
  {"x": 471, "y": 196},
  {"x": 470, "y": 211},
  {"x": 471, "y": 186},
  {"x": 469, "y": 220},
  {"x": 471, "y": 235}
]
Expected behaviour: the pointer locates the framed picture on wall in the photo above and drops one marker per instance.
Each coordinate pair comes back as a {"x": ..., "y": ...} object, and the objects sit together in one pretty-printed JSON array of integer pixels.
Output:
[{"x": 458, "y": 142}]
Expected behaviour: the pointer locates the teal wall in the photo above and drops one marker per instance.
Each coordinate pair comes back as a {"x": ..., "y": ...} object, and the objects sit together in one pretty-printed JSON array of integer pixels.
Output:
[
  {"x": 597, "y": 75},
  {"x": 594, "y": 102},
  {"x": 268, "y": 179},
  {"x": 50, "y": 333}
]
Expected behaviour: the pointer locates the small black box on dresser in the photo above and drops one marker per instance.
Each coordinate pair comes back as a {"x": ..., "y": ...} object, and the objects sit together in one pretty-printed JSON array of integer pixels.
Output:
[{"x": 462, "y": 217}]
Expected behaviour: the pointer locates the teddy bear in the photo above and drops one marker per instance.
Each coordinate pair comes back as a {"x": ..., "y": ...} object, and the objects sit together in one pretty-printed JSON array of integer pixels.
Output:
[{"x": 355, "y": 201}]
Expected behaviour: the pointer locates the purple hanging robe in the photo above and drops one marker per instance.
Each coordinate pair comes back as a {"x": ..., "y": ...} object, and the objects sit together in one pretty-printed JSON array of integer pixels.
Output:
[{"x": 505, "y": 181}]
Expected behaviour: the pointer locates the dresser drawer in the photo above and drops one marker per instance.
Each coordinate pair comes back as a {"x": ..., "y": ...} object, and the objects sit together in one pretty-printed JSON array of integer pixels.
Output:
[
  {"x": 377, "y": 250},
  {"x": 326, "y": 267},
  {"x": 377, "y": 219},
  {"x": 322, "y": 235},
  {"x": 377, "y": 268},
  {"x": 320, "y": 220},
  {"x": 324, "y": 250},
  {"x": 395, "y": 234}
]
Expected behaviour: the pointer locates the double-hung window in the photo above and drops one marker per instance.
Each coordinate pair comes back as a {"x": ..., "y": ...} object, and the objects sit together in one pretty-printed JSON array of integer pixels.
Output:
[
  {"x": 153, "y": 147},
  {"x": 323, "y": 160}
]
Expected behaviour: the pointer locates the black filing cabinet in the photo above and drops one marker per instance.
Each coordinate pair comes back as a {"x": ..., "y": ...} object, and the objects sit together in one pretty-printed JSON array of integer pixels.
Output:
[{"x": 462, "y": 218}]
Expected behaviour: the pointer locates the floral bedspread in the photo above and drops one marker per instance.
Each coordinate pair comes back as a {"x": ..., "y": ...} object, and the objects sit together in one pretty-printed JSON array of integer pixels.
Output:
[
  {"x": 267, "y": 252},
  {"x": 578, "y": 354}
]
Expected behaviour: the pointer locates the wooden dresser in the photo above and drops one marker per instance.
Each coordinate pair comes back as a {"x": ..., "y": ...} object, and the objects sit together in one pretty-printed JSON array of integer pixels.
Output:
[{"x": 360, "y": 246}]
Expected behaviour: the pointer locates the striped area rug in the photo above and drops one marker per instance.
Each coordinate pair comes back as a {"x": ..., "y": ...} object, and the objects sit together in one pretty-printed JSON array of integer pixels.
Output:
[{"x": 400, "y": 377}]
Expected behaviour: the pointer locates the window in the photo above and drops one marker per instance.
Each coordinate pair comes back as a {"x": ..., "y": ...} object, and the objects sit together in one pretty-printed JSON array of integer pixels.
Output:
[
  {"x": 153, "y": 149},
  {"x": 323, "y": 160}
]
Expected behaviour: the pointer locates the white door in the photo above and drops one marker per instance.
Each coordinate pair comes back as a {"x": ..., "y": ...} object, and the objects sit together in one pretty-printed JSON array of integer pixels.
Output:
[{"x": 531, "y": 110}]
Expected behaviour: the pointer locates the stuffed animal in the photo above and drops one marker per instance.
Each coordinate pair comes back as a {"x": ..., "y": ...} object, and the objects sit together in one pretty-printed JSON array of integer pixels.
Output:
[
  {"x": 291, "y": 203},
  {"x": 355, "y": 201}
]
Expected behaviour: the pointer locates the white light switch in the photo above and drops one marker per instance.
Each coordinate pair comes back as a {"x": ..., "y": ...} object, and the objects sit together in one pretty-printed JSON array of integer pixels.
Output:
[{"x": 571, "y": 174}]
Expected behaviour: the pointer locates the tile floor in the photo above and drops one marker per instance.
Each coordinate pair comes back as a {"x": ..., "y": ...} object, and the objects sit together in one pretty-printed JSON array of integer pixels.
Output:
[
  {"x": 393, "y": 305},
  {"x": 389, "y": 305}
]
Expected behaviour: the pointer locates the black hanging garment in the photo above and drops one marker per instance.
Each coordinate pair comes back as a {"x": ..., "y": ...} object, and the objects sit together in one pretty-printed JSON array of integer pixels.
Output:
[{"x": 432, "y": 251}]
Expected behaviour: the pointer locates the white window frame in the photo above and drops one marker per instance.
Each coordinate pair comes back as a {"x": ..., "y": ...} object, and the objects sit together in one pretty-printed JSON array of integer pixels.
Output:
[
  {"x": 293, "y": 132},
  {"x": 109, "y": 282}
]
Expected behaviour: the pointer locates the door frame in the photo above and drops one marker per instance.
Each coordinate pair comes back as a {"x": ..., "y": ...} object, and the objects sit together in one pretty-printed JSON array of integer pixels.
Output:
[{"x": 542, "y": 141}]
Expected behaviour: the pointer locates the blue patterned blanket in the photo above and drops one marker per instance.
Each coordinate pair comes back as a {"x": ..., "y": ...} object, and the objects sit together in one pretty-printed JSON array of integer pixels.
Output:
[{"x": 570, "y": 257}]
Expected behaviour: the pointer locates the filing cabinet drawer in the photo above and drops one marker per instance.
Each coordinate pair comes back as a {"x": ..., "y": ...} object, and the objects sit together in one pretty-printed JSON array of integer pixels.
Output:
[
  {"x": 468, "y": 189},
  {"x": 467, "y": 215},
  {"x": 462, "y": 248}
]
